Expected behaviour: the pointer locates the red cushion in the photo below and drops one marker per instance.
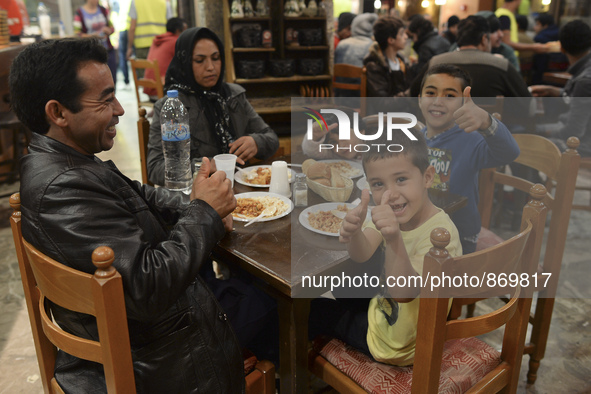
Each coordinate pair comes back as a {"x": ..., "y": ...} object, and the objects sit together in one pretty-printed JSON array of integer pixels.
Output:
[
  {"x": 250, "y": 361},
  {"x": 487, "y": 239},
  {"x": 465, "y": 362}
]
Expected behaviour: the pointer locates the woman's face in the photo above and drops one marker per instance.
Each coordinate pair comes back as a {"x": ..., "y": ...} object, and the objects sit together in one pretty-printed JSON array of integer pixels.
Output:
[{"x": 207, "y": 63}]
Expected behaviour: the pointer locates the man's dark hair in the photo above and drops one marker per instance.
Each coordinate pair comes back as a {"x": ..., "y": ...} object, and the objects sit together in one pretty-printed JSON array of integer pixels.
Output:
[
  {"x": 493, "y": 23},
  {"x": 386, "y": 27},
  {"x": 420, "y": 26},
  {"x": 345, "y": 20},
  {"x": 471, "y": 30},
  {"x": 48, "y": 70},
  {"x": 452, "y": 71},
  {"x": 522, "y": 22},
  {"x": 174, "y": 24},
  {"x": 416, "y": 151},
  {"x": 452, "y": 21},
  {"x": 545, "y": 19},
  {"x": 575, "y": 37}
]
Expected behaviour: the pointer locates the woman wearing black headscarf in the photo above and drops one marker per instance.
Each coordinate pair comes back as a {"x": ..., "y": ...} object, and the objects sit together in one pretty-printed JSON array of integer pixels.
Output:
[{"x": 221, "y": 120}]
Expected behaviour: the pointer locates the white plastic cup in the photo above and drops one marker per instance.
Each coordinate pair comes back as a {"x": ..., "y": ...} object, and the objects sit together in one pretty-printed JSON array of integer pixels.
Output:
[
  {"x": 226, "y": 162},
  {"x": 279, "y": 179}
]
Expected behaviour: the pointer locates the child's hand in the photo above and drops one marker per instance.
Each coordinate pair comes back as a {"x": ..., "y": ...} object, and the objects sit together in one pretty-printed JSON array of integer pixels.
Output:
[
  {"x": 354, "y": 219},
  {"x": 471, "y": 117},
  {"x": 319, "y": 132},
  {"x": 384, "y": 218}
]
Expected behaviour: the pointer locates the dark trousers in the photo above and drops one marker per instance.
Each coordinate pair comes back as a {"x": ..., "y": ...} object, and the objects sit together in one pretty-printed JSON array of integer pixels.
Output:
[
  {"x": 344, "y": 319},
  {"x": 123, "y": 56}
]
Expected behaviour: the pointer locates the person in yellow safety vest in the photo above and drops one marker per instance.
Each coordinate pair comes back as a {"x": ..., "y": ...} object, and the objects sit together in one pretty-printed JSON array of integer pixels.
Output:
[
  {"x": 147, "y": 21},
  {"x": 506, "y": 15}
]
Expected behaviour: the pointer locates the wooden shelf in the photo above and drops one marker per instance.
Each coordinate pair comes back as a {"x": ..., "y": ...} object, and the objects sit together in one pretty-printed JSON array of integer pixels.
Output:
[
  {"x": 253, "y": 19},
  {"x": 310, "y": 48},
  {"x": 295, "y": 78},
  {"x": 253, "y": 49},
  {"x": 304, "y": 18}
]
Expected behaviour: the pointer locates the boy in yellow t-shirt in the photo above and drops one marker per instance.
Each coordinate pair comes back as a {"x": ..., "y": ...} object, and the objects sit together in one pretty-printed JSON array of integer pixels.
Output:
[{"x": 401, "y": 222}]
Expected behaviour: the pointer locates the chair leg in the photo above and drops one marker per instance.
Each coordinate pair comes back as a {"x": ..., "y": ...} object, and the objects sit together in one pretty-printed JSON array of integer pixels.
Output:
[
  {"x": 470, "y": 310},
  {"x": 539, "y": 335}
]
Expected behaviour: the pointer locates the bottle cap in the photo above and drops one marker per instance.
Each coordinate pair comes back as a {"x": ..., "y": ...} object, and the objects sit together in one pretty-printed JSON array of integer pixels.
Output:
[{"x": 172, "y": 93}]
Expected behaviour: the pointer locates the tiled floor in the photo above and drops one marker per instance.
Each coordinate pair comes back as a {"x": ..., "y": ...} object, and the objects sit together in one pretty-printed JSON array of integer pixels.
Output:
[{"x": 566, "y": 368}]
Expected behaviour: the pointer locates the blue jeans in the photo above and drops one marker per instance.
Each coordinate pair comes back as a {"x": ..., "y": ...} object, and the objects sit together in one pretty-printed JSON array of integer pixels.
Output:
[{"x": 123, "y": 56}]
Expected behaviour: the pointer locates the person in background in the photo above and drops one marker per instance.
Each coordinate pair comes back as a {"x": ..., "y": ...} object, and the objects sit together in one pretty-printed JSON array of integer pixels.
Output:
[
  {"x": 506, "y": 15},
  {"x": 546, "y": 31},
  {"x": 352, "y": 50},
  {"x": 575, "y": 40},
  {"x": 121, "y": 23},
  {"x": 427, "y": 43},
  {"x": 498, "y": 46},
  {"x": 72, "y": 202},
  {"x": 463, "y": 139},
  {"x": 221, "y": 120},
  {"x": 146, "y": 21},
  {"x": 92, "y": 19},
  {"x": 162, "y": 49},
  {"x": 386, "y": 68},
  {"x": 452, "y": 29},
  {"x": 343, "y": 27},
  {"x": 525, "y": 57}
]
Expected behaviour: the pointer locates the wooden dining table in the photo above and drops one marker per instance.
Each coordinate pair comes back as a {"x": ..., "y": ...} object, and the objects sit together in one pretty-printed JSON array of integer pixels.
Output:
[{"x": 279, "y": 253}]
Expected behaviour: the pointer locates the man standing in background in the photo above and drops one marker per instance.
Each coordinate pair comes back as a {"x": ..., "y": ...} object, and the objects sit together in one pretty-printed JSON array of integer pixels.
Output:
[{"x": 147, "y": 21}]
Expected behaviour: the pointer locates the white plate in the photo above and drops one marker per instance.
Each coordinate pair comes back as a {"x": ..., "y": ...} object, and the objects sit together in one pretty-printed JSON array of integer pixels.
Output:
[
  {"x": 242, "y": 173},
  {"x": 265, "y": 194},
  {"x": 317, "y": 208},
  {"x": 356, "y": 168}
]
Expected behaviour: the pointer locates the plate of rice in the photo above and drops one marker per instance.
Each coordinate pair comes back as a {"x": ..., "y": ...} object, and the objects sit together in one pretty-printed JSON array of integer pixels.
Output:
[{"x": 250, "y": 205}]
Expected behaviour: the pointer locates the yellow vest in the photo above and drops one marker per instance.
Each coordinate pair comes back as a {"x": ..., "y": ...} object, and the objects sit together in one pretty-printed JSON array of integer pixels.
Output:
[
  {"x": 151, "y": 21},
  {"x": 514, "y": 31}
]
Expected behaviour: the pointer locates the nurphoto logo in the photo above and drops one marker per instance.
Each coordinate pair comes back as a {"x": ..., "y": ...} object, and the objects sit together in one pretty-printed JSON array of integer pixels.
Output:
[{"x": 346, "y": 126}]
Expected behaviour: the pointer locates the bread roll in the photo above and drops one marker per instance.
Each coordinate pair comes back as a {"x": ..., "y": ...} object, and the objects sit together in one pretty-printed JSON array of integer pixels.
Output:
[
  {"x": 323, "y": 181},
  {"x": 336, "y": 179},
  {"x": 306, "y": 164},
  {"x": 318, "y": 170}
]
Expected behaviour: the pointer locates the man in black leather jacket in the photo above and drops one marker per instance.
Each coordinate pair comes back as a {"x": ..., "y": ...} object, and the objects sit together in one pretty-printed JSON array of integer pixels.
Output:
[{"x": 73, "y": 202}]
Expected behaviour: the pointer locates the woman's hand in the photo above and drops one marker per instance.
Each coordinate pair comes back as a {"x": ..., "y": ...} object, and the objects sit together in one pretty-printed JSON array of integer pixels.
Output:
[{"x": 245, "y": 148}]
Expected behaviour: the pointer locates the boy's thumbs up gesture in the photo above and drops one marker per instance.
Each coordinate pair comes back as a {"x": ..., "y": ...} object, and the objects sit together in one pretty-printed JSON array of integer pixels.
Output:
[
  {"x": 471, "y": 117},
  {"x": 354, "y": 219},
  {"x": 384, "y": 218}
]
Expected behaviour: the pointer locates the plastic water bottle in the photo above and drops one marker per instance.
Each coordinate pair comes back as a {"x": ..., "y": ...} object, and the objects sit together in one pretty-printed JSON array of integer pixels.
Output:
[
  {"x": 62, "y": 30},
  {"x": 176, "y": 144},
  {"x": 44, "y": 20}
]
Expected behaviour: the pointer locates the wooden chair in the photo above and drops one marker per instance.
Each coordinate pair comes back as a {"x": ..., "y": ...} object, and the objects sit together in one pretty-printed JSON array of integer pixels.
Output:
[
  {"x": 586, "y": 164},
  {"x": 143, "y": 136},
  {"x": 448, "y": 358},
  {"x": 155, "y": 83},
  {"x": 342, "y": 70},
  {"x": 100, "y": 295},
  {"x": 561, "y": 169}
]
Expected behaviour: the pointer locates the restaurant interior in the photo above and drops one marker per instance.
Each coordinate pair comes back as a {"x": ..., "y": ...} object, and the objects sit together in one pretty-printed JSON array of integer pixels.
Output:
[{"x": 566, "y": 366}]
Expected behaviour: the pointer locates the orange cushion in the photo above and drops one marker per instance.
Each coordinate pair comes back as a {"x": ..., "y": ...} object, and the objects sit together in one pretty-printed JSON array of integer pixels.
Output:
[
  {"x": 465, "y": 362},
  {"x": 487, "y": 239}
]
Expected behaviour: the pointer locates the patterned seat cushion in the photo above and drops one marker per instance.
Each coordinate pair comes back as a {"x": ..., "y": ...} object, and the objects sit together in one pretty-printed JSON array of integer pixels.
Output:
[
  {"x": 487, "y": 239},
  {"x": 250, "y": 361},
  {"x": 465, "y": 362}
]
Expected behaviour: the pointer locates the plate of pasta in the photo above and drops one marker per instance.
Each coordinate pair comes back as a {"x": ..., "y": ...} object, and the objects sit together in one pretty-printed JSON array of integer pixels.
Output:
[
  {"x": 319, "y": 218},
  {"x": 258, "y": 176},
  {"x": 250, "y": 205}
]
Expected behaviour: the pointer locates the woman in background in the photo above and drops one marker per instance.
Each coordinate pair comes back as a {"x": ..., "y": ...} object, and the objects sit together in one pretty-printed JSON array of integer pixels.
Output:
[
  {"x": 92, "y": 20},
  {"x": 221, "y": 120}
]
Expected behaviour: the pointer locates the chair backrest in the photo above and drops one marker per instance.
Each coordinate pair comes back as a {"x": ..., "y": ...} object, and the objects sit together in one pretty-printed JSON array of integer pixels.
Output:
[
  {"x": 519, "y": 256},
  {"x": 143, "y": 135},
  {"x": 100, "y": 295},
  {"x": 342, "y": 70},
  {"x": 542, "y": 155},
  {"x": 155, "y": 83}
]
